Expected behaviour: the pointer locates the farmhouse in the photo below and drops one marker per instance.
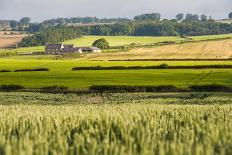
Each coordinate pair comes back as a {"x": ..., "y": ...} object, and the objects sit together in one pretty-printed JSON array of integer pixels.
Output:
[{"x": 61, "y": 49}]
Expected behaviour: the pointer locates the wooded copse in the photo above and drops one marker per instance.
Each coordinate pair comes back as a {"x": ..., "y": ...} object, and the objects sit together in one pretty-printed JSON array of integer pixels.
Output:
[{"x": 51, "y": 35}]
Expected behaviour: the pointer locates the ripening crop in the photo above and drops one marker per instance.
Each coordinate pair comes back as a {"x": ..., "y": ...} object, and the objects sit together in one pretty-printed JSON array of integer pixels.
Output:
[{"x": 116, "y": 129}]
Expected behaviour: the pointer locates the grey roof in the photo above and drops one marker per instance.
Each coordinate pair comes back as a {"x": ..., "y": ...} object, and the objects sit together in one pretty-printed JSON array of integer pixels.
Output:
[
  {"x": 89, "y": 48},
  {"x": 68, "y": 45},
  {"x": 68, "y": 48},
  {"x": 53, "y": 46}
]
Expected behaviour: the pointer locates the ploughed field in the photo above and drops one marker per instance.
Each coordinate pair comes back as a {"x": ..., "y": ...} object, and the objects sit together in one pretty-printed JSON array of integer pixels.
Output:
[
  {"x": 60, "y": 73},
  {"x": 9, "y": 40},
  {"x": 137, "y": 123}
]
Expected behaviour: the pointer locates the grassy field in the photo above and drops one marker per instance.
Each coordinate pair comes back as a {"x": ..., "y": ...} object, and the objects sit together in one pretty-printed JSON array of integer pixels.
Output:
[
  {"x": 61, "y": 74},
  {"x": 221, "y": 49},
  {"x": 122, "y": 40},
  {"x": 32, "y": 124}
]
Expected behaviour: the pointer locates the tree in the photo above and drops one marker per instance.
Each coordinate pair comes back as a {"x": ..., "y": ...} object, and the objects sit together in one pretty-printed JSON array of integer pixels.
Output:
[
  {"x": 204, "y": 17},
  {"x": 13, "y": 24},
  {"x": 25, "y": 20},
  {"x": 180, "y": 16},
  {"x": 230, "y": 15},
  {"x": 152, "y": 16},
  {"x": 101, "y": 43},
  {"x": 191, "y": 17}
]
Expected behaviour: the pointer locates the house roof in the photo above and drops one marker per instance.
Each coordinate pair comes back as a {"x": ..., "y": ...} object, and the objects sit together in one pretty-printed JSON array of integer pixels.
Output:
[
  {"x": 68, "y": 45},
  {"x": 89, "y": 48},
  {"x": 53, "y": 46}
]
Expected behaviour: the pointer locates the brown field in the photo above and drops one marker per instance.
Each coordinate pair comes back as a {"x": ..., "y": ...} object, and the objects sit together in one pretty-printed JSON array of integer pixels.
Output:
[
  {"x": 200, "y": 50},
  {"x": 10, "y": 40}
]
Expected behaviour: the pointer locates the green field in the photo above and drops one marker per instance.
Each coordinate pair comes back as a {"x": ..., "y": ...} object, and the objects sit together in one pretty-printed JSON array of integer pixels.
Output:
[
  {"x": 121, "y": 40},
  {"x": 61, "y": 74},
  {"x": 114, "y": 124}
]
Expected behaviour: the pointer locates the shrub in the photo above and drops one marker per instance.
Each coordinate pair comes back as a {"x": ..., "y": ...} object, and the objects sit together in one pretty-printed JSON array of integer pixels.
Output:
[
  {"x": 210, "y": 88},
  {"x": 101, "y": 43},
  {"x": 11, "y": 87},
  {"x": 5, "y": 71},
  {"x": 130, "y": 89},
  {"x": 32, "y": 70},
  {"x": 55, "y": 89},
  {"x": 163, "y": 66}
]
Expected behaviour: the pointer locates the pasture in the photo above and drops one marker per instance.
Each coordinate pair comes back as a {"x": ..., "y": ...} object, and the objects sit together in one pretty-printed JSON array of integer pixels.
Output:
[
  {"x": 61, "y": 74},
  {"x": 122, "y": 40},
  {"x": 34, "y": 123}
]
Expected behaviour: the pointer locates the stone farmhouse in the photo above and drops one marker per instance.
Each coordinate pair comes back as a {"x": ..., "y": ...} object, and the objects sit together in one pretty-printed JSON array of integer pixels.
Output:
[{"x": 61, "y": 49}]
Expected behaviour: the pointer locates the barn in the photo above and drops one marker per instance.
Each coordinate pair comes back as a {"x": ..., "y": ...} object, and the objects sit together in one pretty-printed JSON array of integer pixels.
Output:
[{"x": 62, "y": 49}]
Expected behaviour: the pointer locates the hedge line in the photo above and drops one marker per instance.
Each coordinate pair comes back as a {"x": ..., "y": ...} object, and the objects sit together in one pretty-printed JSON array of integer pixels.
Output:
[
  {"x": 32, "y": 70},
  {"x": 27, "y": 70},
  {"x": 162, "y": 66},
  {"x": 120, "y": 89},
  {"x": 167, "y": 88},
  {"x": 229, "y": 59}
]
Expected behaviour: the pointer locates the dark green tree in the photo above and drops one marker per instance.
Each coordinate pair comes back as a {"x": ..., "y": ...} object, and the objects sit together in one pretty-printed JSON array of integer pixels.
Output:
[
  {"x": 230, "y": 15},
  {"x": 25, "y": 20},
  {"x": 204, "y": 17},
  {"x": 152, "y": 16},
  {"x": 180, "y": 16},
  {"x": 101, "y": 43},
  {"x": 13, "y": 24}
]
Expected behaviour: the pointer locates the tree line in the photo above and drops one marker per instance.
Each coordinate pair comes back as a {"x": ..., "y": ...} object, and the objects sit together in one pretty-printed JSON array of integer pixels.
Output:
[
  {"x": 142, "y": 25},
  {"x": 160, "y": 28},
  {"x": 51, "y": 35}
]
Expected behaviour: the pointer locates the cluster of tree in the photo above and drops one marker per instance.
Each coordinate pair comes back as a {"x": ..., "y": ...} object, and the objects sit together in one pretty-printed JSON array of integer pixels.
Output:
[
  {"x": 230, "y": 15},
  {"x": 83, "y": 20},
  {"x": 101, "y": 43},
  {"x": 159, "y": 28},
  {"x": 21, "y": 25},
  {"x": 51, "y": 35},
  {"x": 193, "y": 17},
  {"x": 152, "y": 16}
]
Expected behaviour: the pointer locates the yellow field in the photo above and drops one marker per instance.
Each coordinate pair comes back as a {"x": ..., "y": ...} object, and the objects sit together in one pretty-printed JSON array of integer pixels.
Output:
[
  {"x": 9, "y": 40},
  {"x": 199, "y": 50}
]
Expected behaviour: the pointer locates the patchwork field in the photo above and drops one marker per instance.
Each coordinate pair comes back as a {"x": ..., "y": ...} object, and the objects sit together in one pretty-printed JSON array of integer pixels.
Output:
[
  {"x": 118, "y": 123},
  {"x": 124, "y": 40}
]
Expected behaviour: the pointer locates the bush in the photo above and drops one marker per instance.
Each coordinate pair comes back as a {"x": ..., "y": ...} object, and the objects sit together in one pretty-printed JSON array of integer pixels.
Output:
[
  {"x": 130, "y": 89},
  {"x": 101, "y": 43},
  {"x": 5, "y": 71},
  {"x": 11, "y": 87},
  {"x": 210, "y": 88},
  {"x": 55, "y": 89},
  {"x": 32, "y": 70},
  {"x": 163, "y": 66}
]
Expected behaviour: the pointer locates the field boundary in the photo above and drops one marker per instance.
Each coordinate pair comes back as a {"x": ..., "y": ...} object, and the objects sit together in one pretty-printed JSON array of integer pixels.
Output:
[
  {"x": 229, "y": 59},
  {"x": 162, "y": 66},
  {"x": 118, "y": 89}
]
